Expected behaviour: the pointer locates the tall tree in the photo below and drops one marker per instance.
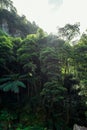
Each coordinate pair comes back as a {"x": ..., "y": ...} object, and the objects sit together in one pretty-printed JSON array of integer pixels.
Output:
[
  {"x": 68, "y": 32},
  {"x": 6, "y": 54},
  {"x": 80, "y": 58},
  {"x": 28, "y": 57},
  {"x": 53, "y": 89}
]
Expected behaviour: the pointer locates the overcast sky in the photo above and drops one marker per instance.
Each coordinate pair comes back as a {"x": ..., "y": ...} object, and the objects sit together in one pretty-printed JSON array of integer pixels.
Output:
[{"x": 49, "y": 14}]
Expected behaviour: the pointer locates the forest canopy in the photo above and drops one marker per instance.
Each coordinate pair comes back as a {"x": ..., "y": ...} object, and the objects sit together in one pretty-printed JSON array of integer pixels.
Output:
[{"x": 43, "y": 77}]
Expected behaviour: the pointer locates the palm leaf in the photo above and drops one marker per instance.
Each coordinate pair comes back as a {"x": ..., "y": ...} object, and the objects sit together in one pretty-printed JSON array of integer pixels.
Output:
[
  {"x": 16, "y": 85},
  {"x": 12, "y": 85},
  {"x": 6, "y": 86},
  {"x": 15, "y": 88},
  {"x": 21, "y": 84},
  {"x": 4, "y": 79}
]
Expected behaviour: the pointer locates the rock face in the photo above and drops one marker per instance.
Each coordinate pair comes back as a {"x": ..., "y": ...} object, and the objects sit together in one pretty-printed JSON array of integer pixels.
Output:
[
  {"x": 15, "y": 25},
  {"x": 77, "y": 127},
  {"x": 4, "y": 26}
]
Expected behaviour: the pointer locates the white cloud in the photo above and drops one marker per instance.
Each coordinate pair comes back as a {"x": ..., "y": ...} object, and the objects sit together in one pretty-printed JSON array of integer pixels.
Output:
[{"x": 45, "y": 16}]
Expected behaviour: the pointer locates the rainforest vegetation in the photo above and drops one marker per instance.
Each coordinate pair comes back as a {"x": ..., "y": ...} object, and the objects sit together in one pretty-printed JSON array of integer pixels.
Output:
[{"x": 43, "y": 77}]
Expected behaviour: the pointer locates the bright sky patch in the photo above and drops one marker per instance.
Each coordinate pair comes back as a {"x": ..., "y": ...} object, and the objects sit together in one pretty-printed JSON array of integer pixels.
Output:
[{"x": 49, "y": 14}]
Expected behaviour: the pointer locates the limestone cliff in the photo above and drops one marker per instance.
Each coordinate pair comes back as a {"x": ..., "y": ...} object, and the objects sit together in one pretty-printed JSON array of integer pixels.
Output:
[{"x": 15, "y": 25}]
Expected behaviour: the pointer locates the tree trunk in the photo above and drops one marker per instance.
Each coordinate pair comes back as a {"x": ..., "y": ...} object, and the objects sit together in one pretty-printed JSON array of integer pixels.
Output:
[
  {"x": 53, "y": 121},
  {"x": 47, "y": 118},
  {"x": 28, "y": 90}
]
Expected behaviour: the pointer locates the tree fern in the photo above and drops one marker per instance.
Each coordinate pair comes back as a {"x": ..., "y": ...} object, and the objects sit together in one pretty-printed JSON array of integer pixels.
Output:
[{"x": 11, "y": 83}]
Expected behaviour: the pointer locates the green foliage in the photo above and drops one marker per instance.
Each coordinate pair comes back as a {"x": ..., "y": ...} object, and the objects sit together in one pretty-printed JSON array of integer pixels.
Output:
[
  {"x": 2, "y": 33},
  {"x": 5, "y": 52},
  {"x": 53, "y": 88},
  {"x": 6, "y": 116},
  {"x": 6, "y": 119},
  {"x": 27, "y": 53},
  {"x": 68, "y": 32},
  {"x": 48, "y": 58},
  {"x": 41, "y": 34},
  {"x": 45, "y": 74},
  {"x": 32, "y": 128},
  {"x": 52, "y": 92},
  {"x": 11, "y": 83}
]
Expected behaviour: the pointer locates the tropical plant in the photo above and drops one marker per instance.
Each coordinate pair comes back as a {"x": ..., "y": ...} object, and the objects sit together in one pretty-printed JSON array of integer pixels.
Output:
[
  {"x": 6, "y": 119},
  {"x": 68, "y": 32},
  {"x": 11, "y": 83}
]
